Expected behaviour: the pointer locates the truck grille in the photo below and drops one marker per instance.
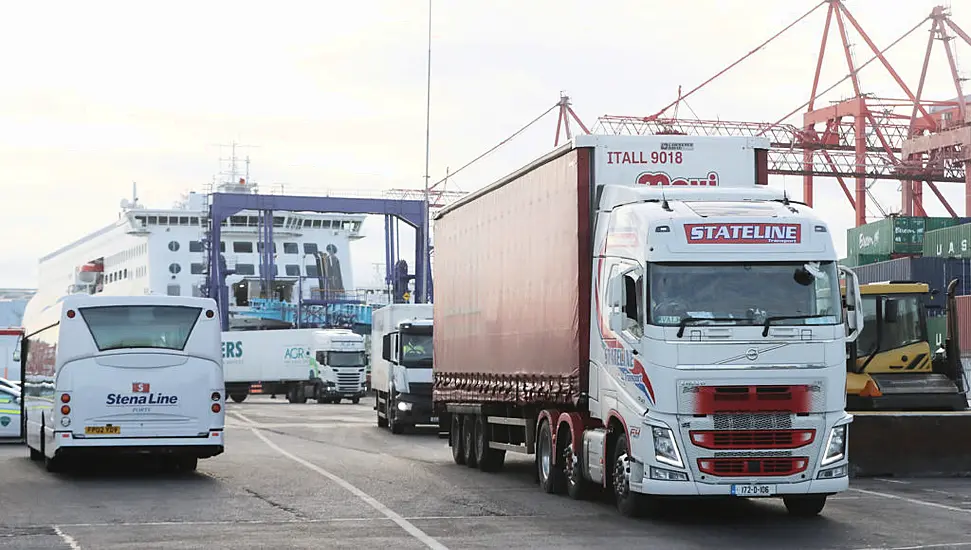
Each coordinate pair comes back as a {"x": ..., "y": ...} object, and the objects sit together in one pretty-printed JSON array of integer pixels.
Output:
[
  {"x": 420, "y": 388},
  {"x": 752, "y": 439},
  {"x": 752, "y": 399},
  {"x": 349, "y": 381},
  {"x": 743, "y": 467}
]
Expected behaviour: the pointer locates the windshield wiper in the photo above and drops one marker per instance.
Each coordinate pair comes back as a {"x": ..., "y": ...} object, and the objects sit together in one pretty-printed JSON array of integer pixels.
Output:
[
  {"x": 684, "y": 322},
  {"x": 768, "y": 320}
]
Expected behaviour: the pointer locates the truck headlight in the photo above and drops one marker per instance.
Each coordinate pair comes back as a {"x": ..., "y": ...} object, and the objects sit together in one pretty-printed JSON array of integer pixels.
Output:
[
  {"x": 835, "y": 445},
  {"x": 665, "y": 449},
  {"x": 404, "y": 406}
]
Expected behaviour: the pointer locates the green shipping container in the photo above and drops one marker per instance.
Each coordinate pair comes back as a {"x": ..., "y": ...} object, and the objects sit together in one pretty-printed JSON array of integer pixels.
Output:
[
  {"x": 951, "y": 242},
  {"x": 878, "y": 240}
]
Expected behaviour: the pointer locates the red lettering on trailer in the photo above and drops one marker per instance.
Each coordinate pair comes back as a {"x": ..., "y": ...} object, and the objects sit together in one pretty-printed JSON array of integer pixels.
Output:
[
  {"x": 743, "y": 233},
  {"x": 662, "y": 179}
]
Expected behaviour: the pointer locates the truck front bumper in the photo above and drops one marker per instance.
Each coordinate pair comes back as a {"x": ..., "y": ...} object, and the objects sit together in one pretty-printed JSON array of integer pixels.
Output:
[
  {"x": 682, "y": 488},
  {"x": 415, "y": 409}
]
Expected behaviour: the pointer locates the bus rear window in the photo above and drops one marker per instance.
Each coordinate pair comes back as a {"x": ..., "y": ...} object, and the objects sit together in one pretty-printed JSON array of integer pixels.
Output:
[{"x": 125, "y": 327}]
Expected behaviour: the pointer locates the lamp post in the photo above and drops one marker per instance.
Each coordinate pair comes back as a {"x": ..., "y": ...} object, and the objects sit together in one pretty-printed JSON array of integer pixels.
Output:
[{"x": 426, "y": 269}]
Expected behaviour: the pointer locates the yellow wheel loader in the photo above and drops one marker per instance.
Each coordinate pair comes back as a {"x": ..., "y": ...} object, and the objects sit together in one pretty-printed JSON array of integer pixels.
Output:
[
  {"x": 908, "y": 400},
  {"x": 895, "y": 367}
]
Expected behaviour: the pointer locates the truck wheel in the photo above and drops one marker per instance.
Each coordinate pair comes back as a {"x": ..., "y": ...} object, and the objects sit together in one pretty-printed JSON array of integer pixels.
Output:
[
  {"x": 468, "y": 440},
  {"x": 188, "y": 463},
  {"x": 489, "y": 459},
  {"x": 237, "y": 397},
  {"x": 629, "y": 504},
  {"x": 805, "y": 506},
  {"x": 455, "y": 440},
  {"x": 576, "y": 485},
  {"x": 356, "y": 400},
  {"x": 550, "y": 477}
]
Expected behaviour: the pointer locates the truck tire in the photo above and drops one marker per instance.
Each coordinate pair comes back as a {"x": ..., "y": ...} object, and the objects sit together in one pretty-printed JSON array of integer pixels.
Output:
[
  {"x": 628, "y": 503},
  {"x": 489, "y": 459},
  {"x": 238, "y": 397},
  {"x": 577, "y": 486},
  {"x": 355, "y": 400},
  {"x": 550, "y": 476},
  {"x": 455, "y": 440},
  {"x": 804, "y": 506},
  {"x": 468, "y": 440}
]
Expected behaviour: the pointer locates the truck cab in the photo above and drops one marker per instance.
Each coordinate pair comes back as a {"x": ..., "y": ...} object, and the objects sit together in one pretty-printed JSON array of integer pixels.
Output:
[
  {"x": 401, "y": 373},
  {"x": 342, "y": 353}
]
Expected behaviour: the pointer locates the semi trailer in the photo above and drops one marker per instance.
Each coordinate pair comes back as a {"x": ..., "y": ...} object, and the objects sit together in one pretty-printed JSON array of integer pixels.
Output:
[{"x": 644, "y": 314}]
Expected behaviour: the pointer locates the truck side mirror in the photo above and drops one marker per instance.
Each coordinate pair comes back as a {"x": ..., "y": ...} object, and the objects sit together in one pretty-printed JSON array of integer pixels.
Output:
[
  {"x": 854, "y": 305},
  {"x": 386, "y": 347},
  {"x": 890, "y": 310},
  {"x": 615, "y": 304}
]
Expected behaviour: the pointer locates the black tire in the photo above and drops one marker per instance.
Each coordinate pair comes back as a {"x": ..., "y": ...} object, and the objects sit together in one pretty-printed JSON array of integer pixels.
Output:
[
  {"x": 804, "y": 506},
  {"x": 489, "y": 459},
  {"x": 356, "y": 400},
  {"x": 468, "y": 441},
  {"x": 35, "y": 454},
  {"x": 238, "y": 397},
  {"x": 455, "y": 440},
  {"x": 54, "y": 465},
  {"x": 187, "y": 463},
  {"x": 577, "y": 486},
  {"x": 628, "y": 503},
  {"x": 550, "y": 476}
]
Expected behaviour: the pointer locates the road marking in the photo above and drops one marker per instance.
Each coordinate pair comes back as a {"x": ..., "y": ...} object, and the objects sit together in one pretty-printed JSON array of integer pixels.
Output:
[
  {"x": 914, "y": 501},
  {"x": 242, "y": 418},
  {"x": 387, "y": 512},
  {"x": 302, "y": 521},
  {"x": 68, "y": 539},
  {"x": 920, "y": 546},
  {"x": 885, "y": 480}
]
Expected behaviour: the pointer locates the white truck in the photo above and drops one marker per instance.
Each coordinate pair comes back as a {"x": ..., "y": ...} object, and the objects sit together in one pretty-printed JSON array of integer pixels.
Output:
[
  {"x": 401, "y": 365},
  {"x": 342, "y": 352},
  {"x": 647, "y": 316},
  {"x": 280, "y": 362}
]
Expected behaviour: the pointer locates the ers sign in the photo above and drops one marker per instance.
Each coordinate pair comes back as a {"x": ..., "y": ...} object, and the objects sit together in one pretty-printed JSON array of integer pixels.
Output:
[{"x": 743, "y": 233}]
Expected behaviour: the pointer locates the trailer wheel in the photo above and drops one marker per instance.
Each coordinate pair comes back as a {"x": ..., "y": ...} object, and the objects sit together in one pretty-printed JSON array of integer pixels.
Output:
[
  {"x": 468, "y": 440},
  {"x": 804, "y": 506},
  {"x": 550, "y": 477},
  {"x": 576, "y": 485},
  {"x": 237, "y": 397},
  {"x": 455, "y": 440},
  {"x": 489, "y": 459}
]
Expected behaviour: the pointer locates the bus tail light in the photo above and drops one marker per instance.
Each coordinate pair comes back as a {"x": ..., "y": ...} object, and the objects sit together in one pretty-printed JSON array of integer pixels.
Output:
[
  {"x": 70, "y": 314},
  {"x": 65, "y": 398},
  {"x": 216, "y": 407},
  {"x": 215, "y": 396},
  {"x": 65, "y": 409},
  {"x": 210, "y": 313}
]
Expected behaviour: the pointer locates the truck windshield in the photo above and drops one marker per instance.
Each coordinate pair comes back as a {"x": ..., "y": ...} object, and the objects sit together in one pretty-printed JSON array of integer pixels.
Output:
[
  {"x": 416, "y": 350},
  {"x": 789, "y": 293},
  {"x": 906, "y": 329},
  {"x": 341, "y": 358}
]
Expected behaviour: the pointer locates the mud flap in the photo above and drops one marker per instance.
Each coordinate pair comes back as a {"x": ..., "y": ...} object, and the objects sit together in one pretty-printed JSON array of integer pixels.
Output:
[{"x": 920, "y": 444}]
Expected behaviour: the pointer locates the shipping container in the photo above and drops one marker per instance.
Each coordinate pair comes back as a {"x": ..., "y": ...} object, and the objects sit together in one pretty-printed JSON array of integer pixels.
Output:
[
  {"x": 936, "y": 272},
  {"x": 936, "y": 331},
  {"x": 950, "y": 242},
  {"x": 964, "y": 324},
  {"x": 894, "y": 235}
]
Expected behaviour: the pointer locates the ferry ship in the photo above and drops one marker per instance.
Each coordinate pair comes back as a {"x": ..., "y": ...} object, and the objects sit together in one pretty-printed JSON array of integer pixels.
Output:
[{"x": 161, "y": 251}]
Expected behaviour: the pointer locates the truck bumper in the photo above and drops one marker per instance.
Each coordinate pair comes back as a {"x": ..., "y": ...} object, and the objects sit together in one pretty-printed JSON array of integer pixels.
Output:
[
  {"x": 682, "y": 488},
  {"x": 418, "y": 410}
]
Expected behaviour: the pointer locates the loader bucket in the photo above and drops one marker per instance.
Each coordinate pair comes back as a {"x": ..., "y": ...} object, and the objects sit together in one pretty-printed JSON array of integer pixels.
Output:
[{"x": 914, "y": 444}]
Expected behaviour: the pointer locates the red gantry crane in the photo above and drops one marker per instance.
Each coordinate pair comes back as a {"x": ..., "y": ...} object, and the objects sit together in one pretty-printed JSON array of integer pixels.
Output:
[{"x": 911, "y": 140}]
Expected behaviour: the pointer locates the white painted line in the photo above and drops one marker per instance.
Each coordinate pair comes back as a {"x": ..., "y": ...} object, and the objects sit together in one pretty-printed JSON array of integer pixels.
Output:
[
  {"x": 242, "y": 418},
  {"x": 914, "y": 501},
  {"x": 389, "y": 513},
  {"x": 885, "y": 480},
  {"x": 68, "y": 539},
  {"x": 289, "y": 521},
  {"x": 919, "y": 547}
]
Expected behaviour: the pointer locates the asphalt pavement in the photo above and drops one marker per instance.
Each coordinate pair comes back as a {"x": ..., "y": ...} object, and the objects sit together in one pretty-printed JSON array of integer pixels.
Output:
[{"x": 325, "y": 476}]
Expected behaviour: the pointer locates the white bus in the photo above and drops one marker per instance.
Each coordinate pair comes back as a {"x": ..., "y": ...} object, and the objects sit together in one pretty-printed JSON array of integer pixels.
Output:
[{"x": 123, "y": 375}]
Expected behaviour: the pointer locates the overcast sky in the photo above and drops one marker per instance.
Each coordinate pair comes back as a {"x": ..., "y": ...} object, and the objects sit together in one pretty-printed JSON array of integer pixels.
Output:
[{"x": 96, "y": 95}]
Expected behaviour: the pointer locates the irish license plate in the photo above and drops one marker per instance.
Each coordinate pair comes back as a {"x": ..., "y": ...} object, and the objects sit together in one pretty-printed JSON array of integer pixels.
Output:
[
  {"x": 753, "y": 490},
  {"x": 434, "y": 419},
  {"x": 102, "y": 430}
]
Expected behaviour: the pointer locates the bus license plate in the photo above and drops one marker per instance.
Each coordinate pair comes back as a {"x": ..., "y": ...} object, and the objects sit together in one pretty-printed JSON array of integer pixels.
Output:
[
  {"x": 102, "y": 430},
  {"x": 753, "y": 490}
]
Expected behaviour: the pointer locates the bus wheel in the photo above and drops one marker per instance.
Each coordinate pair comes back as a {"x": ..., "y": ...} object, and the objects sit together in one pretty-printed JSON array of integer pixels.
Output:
[
  {"x": 187, "y": 463},
  {"x": 237, "y": 397},
  {"x": 54, "y": 465}
]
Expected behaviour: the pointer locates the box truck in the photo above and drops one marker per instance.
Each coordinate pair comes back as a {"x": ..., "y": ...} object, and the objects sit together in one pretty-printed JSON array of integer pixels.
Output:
[
  {"x": 646, "y": 315},
  {"x": 401, "y": 365}
]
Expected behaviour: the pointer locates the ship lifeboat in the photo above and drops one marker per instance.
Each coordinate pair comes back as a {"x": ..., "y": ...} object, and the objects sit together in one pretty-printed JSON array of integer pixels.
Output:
[{"x": 89, "y": 272}]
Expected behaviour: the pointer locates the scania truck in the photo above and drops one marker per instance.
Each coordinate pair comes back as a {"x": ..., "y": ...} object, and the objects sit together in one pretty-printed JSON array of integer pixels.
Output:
[{"x": 645, "y": 314}]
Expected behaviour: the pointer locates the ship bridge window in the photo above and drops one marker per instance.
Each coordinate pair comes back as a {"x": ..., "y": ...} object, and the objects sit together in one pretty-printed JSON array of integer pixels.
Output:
[
  {"x": 140, "y": 220},
  {"x": 253, "y": 221},
  {"x": 163, "y": 220},
  {"x": 312, "y": 271},
  {"x": 277, "y": 221},
  {"x": 195, "y": 246},
  {"x": 291, "y": 248},
  {"x": 124, "y": 273},
  {"x": 316, "y": 224},
  {"x": 293, "y": 270},
  {"x": 197, "y": 269},
  {"x": 241, "y": 247},
  {"x": 259, "y": 247},
  {"x": 193, "y": 220},
  {"x": 356, "y": 227},
  {"x": 245, "y": 269},
  {"x": 152, "y": 220},
  {"x": 174, "y": 268},
  {"x": 309, "y": 248},
  {"x": 174, "y": 246},
  {"x": 183, "y": 220},
  {"x": 325, "y": 224},
  {"x": 237, "y": 221},
  {"x": 307, "y": 223}
]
